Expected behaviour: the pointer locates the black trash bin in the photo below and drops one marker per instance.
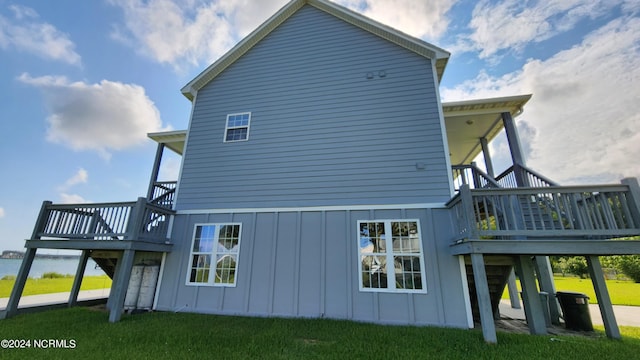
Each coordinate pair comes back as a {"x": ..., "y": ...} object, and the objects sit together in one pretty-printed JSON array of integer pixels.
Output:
[{"x": 575, "y": 307}]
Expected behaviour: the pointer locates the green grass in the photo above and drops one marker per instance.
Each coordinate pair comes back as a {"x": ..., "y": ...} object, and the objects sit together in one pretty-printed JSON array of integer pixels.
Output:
[
  {"x": 61, "y": 284},
  {"x": 184, "y": 336},
  {"x": 622, "y": 292}
]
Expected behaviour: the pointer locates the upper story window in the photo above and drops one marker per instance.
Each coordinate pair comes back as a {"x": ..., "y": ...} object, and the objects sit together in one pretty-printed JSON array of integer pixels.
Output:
[
  {"x": 391, "y": 257},
  {"x": 214, "y": 255},
  {"x": 237, "y": 127}
]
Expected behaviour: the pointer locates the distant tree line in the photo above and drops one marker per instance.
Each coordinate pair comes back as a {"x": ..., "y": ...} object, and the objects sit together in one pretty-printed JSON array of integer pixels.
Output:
[{"x": 629, "y": 265}]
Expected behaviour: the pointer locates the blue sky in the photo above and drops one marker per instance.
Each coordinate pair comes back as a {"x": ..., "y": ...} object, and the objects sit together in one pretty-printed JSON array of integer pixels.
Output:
[{"x": 84, "y": 81}]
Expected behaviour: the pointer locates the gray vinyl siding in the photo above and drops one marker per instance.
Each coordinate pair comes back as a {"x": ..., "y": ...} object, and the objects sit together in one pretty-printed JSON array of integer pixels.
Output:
[
  {"x": 306, "y": 263},
  {"x": 321, "y": 132}
]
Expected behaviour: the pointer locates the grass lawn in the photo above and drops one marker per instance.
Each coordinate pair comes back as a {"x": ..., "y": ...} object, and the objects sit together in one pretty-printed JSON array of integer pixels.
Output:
[
  {"x": 621, "y": 292},
  {"x": 47, "y": 286},
  {"x": 184, "y": 336}
]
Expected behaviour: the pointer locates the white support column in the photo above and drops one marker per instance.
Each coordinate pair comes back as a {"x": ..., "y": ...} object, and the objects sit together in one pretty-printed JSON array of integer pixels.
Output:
[
  {"x": 532, "y": 306},
  {"x": 77, "y": 281},
  {"x": 484, "y": 299},
  {"x": 604, "y": 301}
]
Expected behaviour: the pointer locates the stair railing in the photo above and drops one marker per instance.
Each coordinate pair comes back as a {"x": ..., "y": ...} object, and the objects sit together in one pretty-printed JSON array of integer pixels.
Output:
[
  {"x": 509, "y": 178},
  {"x": 471, "y": 175}
]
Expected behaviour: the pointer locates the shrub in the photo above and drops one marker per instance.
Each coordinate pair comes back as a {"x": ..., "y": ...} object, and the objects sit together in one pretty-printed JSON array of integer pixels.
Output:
[
  {"x": 630, "y": 266},
  {"x": 577, "y": 265},
  {"x": 8, "y": 277},
  {"x": 54, "y": 275}
]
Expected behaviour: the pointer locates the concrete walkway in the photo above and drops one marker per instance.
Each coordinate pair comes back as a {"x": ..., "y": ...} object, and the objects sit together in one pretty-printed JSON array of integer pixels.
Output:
[
  {"x": 625, "y": 315},
  {"x": 55, "y": 298}
]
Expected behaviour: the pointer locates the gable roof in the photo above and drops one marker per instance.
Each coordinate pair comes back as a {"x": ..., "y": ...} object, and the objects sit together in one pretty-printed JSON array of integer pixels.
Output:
[{"x": 388, "y": 33}]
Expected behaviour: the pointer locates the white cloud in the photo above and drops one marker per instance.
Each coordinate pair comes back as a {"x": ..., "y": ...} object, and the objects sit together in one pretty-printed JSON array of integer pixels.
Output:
[
  {"x": 25, "y": 32},
  {"x": 100, "y": 117},
  {"x": 422, "y": 19},
  {"x": 80, "y": 177},
  {"x": 585, "y": 110},
  {"x": 2, "y": 213},
  {"x": 186, "y": 32},
  {"x": 72, "y": 199},
  {"x": 513, "y": 24}
]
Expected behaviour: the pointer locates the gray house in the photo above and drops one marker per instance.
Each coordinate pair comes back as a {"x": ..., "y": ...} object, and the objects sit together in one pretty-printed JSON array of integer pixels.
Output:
[{"x": 322, "y": 177}]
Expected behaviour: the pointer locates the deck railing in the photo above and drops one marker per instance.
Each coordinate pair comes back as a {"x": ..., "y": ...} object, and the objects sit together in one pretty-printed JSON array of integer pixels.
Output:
[
  {"x": 585, "y": 212},
  {"x": 471, "y": 175},
  {"x": 511, "y": 177},
  {"x": 138, "y": 220},
  {"x": 163, "y": 193}
]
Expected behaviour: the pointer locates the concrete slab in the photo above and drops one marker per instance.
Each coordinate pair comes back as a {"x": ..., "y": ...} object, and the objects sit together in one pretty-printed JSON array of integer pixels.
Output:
[
  {"x": 55, "y": 298},
  {"x": 625, "y": 315}
]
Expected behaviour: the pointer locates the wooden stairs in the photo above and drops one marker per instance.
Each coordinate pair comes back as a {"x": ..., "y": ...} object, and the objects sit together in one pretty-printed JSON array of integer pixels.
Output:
[{"x": 498, "y": 269}]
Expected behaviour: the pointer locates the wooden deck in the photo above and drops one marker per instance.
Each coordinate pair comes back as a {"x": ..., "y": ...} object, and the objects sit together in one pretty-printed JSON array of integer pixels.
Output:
[
  {"x": 119, "y": 231},
  {"x": 530, "y": 223}
]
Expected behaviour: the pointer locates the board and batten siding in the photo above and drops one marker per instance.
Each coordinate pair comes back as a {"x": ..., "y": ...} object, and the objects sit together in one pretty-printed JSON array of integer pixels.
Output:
[
  {"x": 322, "y": 133},
  {"x": 306, "y": 263}
]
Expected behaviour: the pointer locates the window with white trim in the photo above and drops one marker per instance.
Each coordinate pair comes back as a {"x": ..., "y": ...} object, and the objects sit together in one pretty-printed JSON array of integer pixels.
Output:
[
  {"x": 391, "y": 257},
  {"x": 214, "y": 254},
  {"x": 237, "y": 127}
]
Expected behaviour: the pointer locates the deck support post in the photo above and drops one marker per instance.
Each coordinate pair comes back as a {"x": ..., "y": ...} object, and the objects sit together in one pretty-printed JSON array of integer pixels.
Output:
[
  {"x": 155, "y": 171},
  {"x": 602, "y": 294},
  {"x": 487, "y": 157},
  {"x": 27, "y": 261},
  {"x": 532, "y": 305},
  {"x": 77, "y": 281},
  {"x": 513, "y": 290},
  {"x": 21, "y": 280},
  {"x": 545, "y": 279},
  {"x": 120, "y": 285},
  {"x": 634, "y": 189},
  {"x": 484, "y": 299}
]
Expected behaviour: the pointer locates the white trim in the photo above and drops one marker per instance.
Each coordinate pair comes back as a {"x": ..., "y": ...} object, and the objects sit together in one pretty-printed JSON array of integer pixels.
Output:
[
  {"x": 214, "y": 254},
  {"x": 443, "y": 132},
  {"x": 465, "y": 291},
  {"x": 389, "y": 255},
  {"x": 184, "y": 150},
  {"x": 227, "y": 127},
  {"x": 313, "y": 208},
  {"x": 158, "y": 285}
]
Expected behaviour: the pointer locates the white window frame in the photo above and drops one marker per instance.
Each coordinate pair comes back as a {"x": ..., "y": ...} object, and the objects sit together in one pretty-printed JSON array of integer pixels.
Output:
[
  {"x": 227, "y": 127},
  {"x": 388, "y": 257},
  {"x": 214, "y": 253}
]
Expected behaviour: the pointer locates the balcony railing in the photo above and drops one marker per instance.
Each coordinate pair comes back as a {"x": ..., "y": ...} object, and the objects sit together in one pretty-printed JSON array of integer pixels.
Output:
[
  {"x": 138, "y": 220},
  {"x": 163, "y": 193},
  {"x": 585, "y": 212}
]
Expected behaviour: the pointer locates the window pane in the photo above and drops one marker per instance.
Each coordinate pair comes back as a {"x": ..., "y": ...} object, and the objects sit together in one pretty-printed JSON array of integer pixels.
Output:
[
  {"x": 374, "y": 274},
  {"x": 200, "y": 268},
  {"x": 236, "y": 134},
  {"x": 203, "y": 241},
  {"x": 408, "y": 274},
  {"x": 225, "y": 269}
]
